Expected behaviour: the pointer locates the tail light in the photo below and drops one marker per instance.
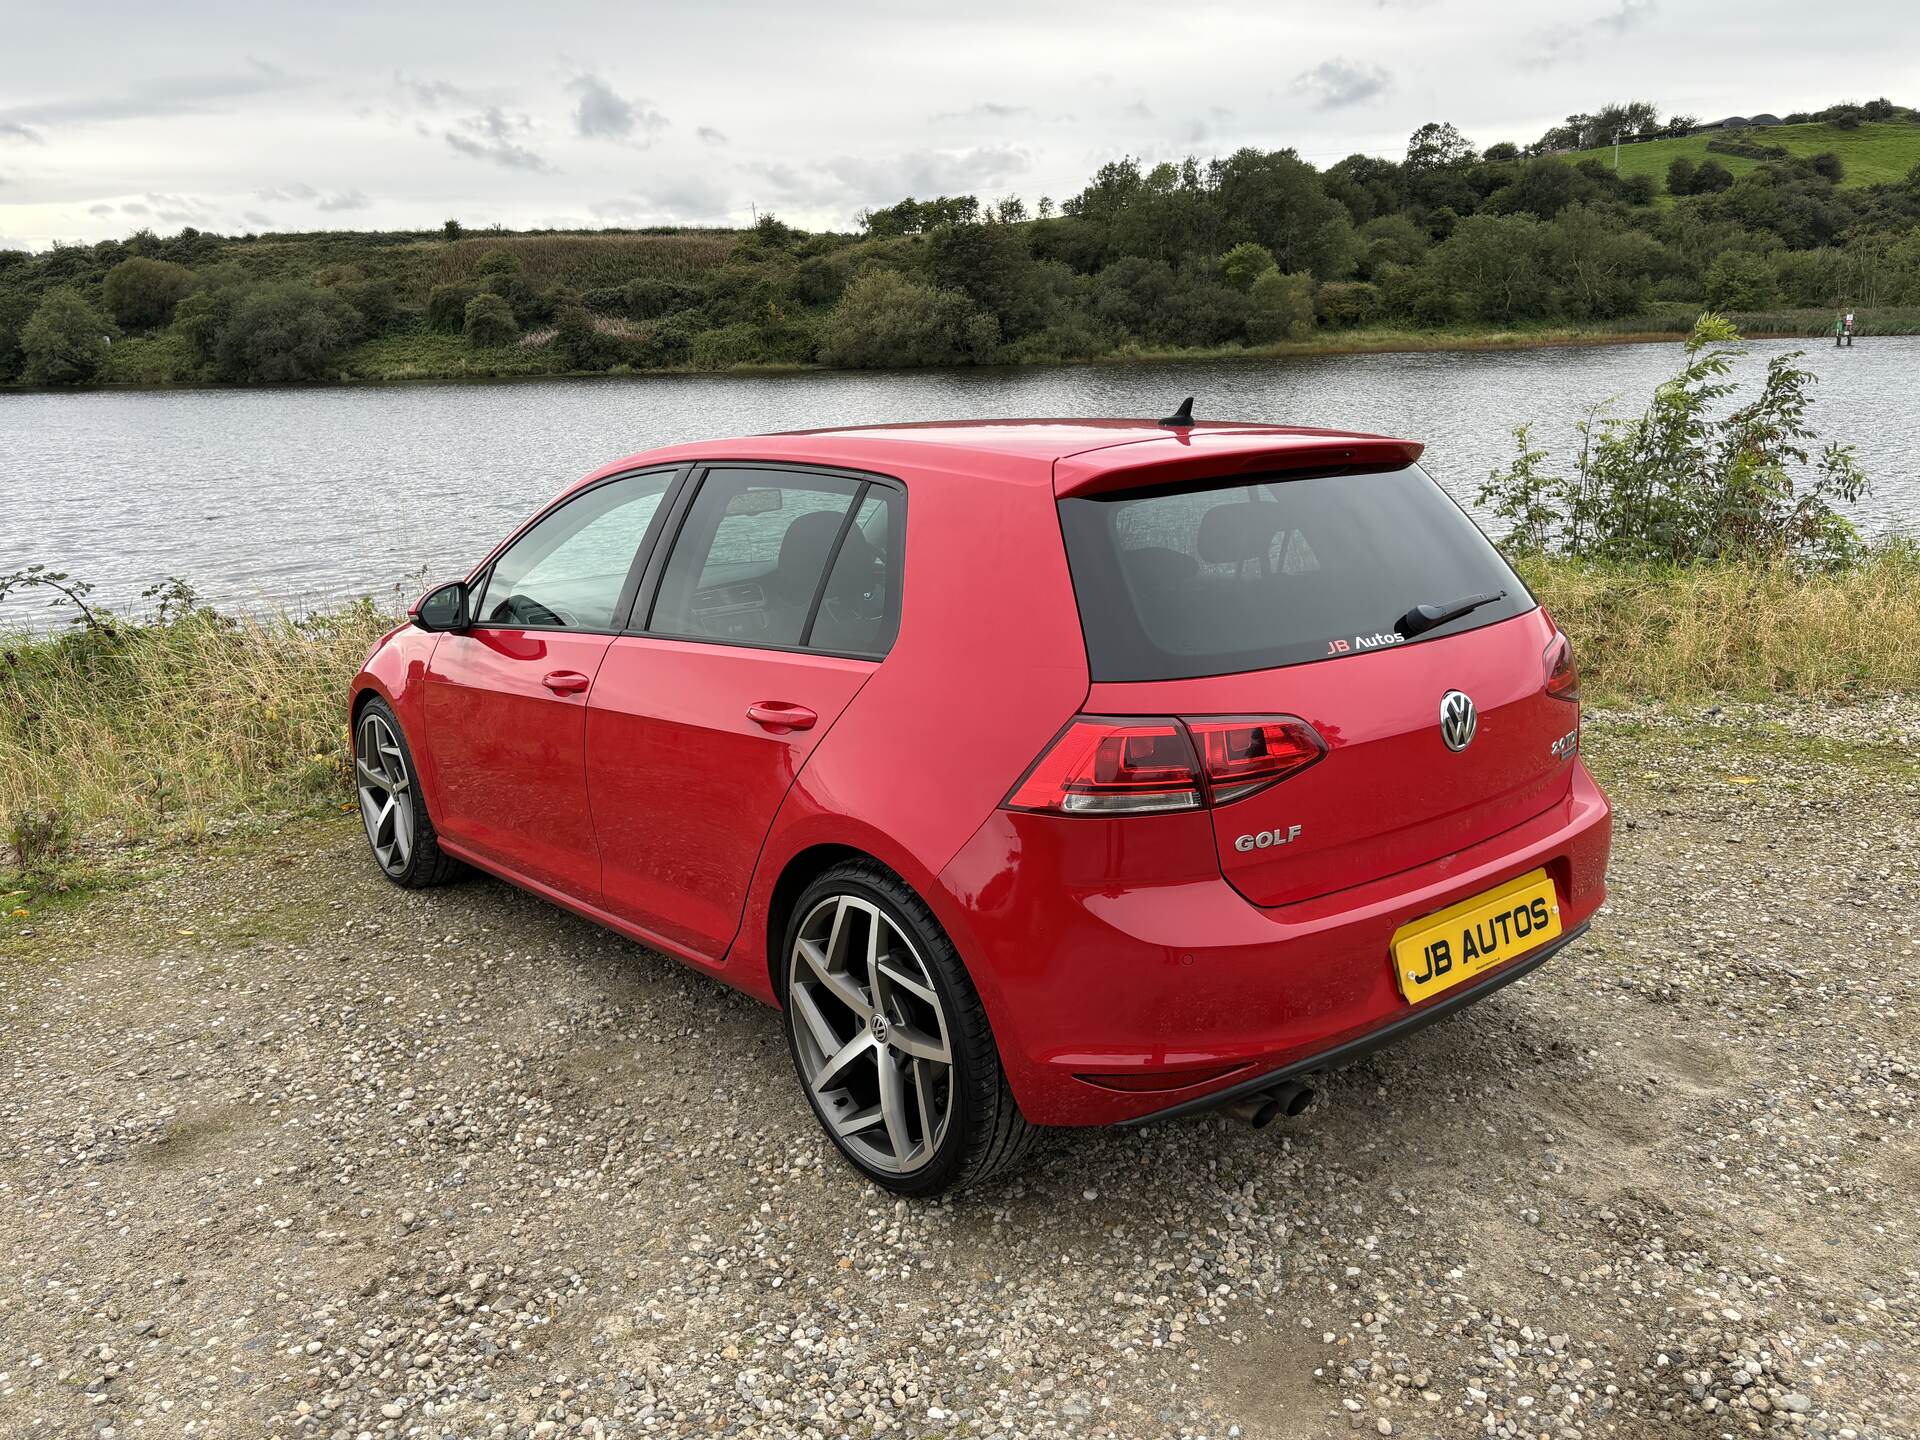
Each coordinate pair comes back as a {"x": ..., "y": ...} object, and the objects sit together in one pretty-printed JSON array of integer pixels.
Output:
[
  {"x": 1107, "y": 766},
  {"x": 1563, "y": 676}
]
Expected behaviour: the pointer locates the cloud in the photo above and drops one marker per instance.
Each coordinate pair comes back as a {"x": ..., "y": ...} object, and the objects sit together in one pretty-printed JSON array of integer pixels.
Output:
[
  {"x": 603, "y": 114},
  {"x": 175, "y": 209},
  {"x": 680, "y": 201},
  {"x": 16, "y": 130},
  {"x": 711, "y": 136},
  {"x": 254, "y": 217},
  {"x": 1563, "y": 42},
  {"x": 431, "y": 94},
  {"x": 101, "y": 209},
  {"x": 344, "y": 200},
  {"x": 492, "y": 135},
  {"x": 1337, "y": 83},
  {"x": 1138, "y": 110},
  {"x": 985, "y": 110},
  {"x": 152, "y": 98},
  {"x": 133, "y": 207},
  {"x": 851, "y": 182},
  {"x": 296, "y": 191}
]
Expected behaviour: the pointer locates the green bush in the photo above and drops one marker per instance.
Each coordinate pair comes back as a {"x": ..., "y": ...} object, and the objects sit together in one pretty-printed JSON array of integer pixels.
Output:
[
  {"x": 1347, "y": 302},
  {"x": 887, "y": 320},
  {"x": 65, "y": 341},
  {"x": 1244, "y": 264},
  {"x": 497, "y": 262},
  {"x": 665, "y": 344},
  {"x": 141, "y": 294},
  {"x": 1737, "y": 281},
  {"x": 447, "y": 307},
  {"x": 489, "y": 322},
  {"x": 737, "y": 344},
  {"x": 580, "y": 344},
  {"x": 284, "y": 332},
  {"x": 1282, "y": 307},
  {"x": 1694, "y": 477},
  {"x": 15, "y": 311}
]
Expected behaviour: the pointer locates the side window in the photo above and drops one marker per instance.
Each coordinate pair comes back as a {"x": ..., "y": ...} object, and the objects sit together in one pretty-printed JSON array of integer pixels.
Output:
[
  {"x": 860, "y": 608},
  {"x": 571, "y": 567},
  {"x": 770, "y": 557}
]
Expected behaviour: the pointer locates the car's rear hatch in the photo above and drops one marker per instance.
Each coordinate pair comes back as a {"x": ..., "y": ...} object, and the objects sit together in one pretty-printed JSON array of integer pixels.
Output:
[{"x": 1288, "y": 588}]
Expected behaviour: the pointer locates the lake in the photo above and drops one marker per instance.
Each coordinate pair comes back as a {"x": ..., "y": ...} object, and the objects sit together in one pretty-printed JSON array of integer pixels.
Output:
[{"x": 304, "y": 496}]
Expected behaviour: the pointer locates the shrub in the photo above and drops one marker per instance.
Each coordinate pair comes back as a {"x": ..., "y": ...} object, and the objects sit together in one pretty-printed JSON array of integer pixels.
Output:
[
  {"x": 1244, "y": 264},
  {"x": 141, "y": 294},
  {"x": 1738, "y": 281},
  {"x": 580, "y": 344},
  {"x": 497, "y": 262},
  {"x": 65, "y": 341},
  {"x": 737, "y": 344},
  {"x": 447, "y": 307},
  {"x": 886, "y": 320},
  {"x": 1282, "y": 307},
  {"x": 1680, "y": 176},
  {"x": 1827, "y": 166},
  {"x": 489, "y": 322},
  {"x": 821, "y": 280},
  {"x": 1347, "y": 302},
  {"x": 1710, "y": 177},
  {"x": 15, "y": 311},
  {"x": 284, "y": 332},
  {"x": 1689, "y": 479},
  {"x": 665, "y": 344}
]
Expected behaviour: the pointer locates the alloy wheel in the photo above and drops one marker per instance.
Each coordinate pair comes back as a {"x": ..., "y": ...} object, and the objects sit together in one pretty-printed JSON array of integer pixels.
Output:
[
  {"x": 870, "y": 1034},
  {"x": 386, "y": 792}
]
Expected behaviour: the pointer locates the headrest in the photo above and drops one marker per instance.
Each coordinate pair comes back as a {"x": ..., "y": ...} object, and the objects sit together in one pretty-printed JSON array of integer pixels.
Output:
[
  {"x": 1239, "y": 530},
  {"x": 803, "y": 549}
]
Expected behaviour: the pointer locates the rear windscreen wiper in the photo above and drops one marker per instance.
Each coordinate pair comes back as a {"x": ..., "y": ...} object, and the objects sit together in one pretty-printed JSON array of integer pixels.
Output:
[{"x": 1422, "y": 618}]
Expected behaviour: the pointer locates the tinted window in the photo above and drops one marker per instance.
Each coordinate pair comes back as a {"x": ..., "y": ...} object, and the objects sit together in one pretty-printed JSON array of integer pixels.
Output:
[
  {"x": 1214, "y": 579},
  {"x": 751, "y": 563},
  {"x": 571, "y": 567}
]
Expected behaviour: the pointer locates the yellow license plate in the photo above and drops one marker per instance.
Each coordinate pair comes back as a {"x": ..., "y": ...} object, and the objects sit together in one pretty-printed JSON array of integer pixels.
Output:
[{"x": 1441, "y": 951}]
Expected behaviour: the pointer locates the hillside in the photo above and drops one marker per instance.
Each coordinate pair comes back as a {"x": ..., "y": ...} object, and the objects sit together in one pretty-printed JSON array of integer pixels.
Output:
[{"x": 1880, "y": 153}]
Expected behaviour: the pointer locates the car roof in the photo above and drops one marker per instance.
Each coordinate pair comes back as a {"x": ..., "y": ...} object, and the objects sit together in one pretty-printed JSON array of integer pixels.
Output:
[{"x": 1077, "y": 455}]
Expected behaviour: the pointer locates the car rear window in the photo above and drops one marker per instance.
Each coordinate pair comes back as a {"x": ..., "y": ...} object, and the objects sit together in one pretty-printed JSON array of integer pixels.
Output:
[{"x": 1217, "y": 578}]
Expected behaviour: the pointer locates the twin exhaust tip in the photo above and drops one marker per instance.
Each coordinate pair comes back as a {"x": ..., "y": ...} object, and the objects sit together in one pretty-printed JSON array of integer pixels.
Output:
[{"x": 1261, "y": 1108}]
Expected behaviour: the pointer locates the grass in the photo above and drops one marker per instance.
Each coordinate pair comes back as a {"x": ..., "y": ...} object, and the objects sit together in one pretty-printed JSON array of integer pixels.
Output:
[
  {"x": 158, "y": 731},
  {"x": 1878, "y": 153},
  {"x": 591, "y": 260},
  {"x": 1659, "y": 634}
]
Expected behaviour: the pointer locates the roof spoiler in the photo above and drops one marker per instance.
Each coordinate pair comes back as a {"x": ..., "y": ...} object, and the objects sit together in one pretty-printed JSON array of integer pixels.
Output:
[{"x": 1220, "y": 454}]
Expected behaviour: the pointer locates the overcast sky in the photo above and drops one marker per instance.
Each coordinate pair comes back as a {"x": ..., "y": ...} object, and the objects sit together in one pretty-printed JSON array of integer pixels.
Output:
[{"x": 256, "y": 115}]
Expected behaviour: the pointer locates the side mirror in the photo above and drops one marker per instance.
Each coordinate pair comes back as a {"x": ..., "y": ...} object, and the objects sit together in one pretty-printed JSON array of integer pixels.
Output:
[{"x": 442, "y": 608}]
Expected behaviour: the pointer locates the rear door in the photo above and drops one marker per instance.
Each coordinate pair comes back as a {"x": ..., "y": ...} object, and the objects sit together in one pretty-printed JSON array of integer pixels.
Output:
[
  {"x": 1296, "y": 594},
  {"x": 772, "y": 606},
  {"x": 506, "y": 699}
]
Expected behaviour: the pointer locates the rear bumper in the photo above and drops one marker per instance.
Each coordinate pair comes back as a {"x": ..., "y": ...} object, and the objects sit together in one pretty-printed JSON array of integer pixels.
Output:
[
  {"x": 1097, "y": 955},
  {"x": 1398, "y": 1028}
]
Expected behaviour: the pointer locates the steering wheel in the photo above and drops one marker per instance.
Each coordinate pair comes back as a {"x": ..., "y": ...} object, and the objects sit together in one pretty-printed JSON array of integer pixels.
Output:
[
  {"x": 868, "y": 597},
  {"x": 529, "y": 611}
]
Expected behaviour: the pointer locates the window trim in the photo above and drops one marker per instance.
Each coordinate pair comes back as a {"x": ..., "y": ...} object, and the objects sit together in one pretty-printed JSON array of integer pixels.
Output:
[
  {"x": 477, "y": 582},
  {"x": 691, "y": 485}
]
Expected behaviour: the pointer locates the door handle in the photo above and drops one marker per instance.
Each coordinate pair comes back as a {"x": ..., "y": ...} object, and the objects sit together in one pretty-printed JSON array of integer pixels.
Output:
[
  {"x": 781, "y": 715},
  {"x": 565, "y": 682}
]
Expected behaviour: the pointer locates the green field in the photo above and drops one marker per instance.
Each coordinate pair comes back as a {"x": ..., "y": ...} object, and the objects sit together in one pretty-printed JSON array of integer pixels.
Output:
[{"x": 1873, "y": 154}]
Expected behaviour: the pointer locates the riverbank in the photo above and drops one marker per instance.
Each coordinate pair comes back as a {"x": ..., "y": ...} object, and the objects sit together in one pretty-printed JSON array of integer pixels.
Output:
[
  {"x": 166, "y": 729},
  {"x": 307, "y": 1154},
  {"x": 166, "y": 363}
]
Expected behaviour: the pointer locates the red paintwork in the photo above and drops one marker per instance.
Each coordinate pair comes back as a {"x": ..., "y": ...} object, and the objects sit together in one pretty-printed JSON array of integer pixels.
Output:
[{"x": 1138, "y": 946}]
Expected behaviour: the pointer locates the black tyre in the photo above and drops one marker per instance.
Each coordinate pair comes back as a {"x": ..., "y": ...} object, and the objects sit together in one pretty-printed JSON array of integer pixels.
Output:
[
  {"x": 890, "y": 1040},
  {"x": 399, "y": 830}
]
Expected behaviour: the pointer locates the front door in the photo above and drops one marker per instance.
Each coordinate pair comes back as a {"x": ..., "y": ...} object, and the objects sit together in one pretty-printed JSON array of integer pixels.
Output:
[
  {"x": 774, "y": 606},
  {"x": 506, "y": 699}
]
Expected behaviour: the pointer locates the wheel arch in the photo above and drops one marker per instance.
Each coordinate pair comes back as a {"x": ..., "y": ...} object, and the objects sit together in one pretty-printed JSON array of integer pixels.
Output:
[{"x": 801, "y": 870}]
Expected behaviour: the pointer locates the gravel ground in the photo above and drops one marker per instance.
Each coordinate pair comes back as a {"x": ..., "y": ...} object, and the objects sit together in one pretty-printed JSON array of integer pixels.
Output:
[{"x": 287, "y": 1152}]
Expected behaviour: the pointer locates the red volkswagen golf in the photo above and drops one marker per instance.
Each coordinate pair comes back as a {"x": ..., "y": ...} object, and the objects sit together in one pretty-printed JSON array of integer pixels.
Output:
[{"x": 1043, "y": 773}]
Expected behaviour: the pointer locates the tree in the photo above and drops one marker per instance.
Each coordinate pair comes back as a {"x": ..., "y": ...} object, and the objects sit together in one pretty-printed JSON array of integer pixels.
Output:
[
  {"x": 489, "y": 322},
  {"x": 65, "y": 341},
  {"x": 284, "y": 332},
  {"x": 1737, "y": 281},
  {"x": 1244, "y": 264},
  {"x": 1680, "y": 176},
  {"x": 1710, "y": 177},
  {"x": 1437, "y": 145},
  {"x": 1494, "y": 263},
  {"x": 452, "y": 230},
  {"x": 447, "y": 306},
  {"x": 581, "y": 344},
  {"x": 15, "y": 311},
  {"x": 1282, "y": 308},
  {"x": 886, "y": 320},
  {"x": 497, "y": 261},
  {"x": 141, "y": 294}
]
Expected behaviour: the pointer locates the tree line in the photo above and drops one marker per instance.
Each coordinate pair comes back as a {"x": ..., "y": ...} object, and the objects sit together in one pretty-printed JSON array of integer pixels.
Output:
[{"x": 1251, "y": 249}]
